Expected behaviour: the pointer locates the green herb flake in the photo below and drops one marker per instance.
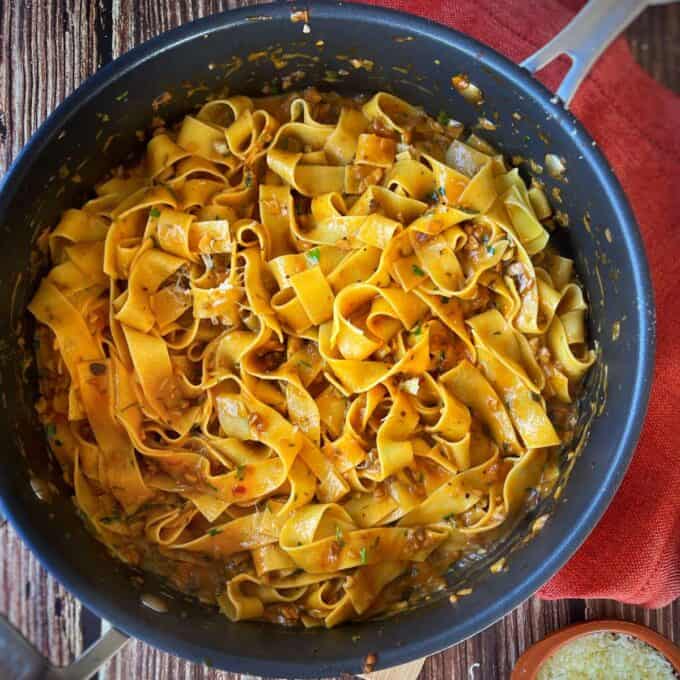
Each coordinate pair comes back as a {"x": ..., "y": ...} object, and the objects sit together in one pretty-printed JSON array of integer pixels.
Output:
[
  {"x": 339, "y": 537},
  {"x": 443, "y": 118},
  {"x": 122, "y": 96},
  {"x": 154, "y": 212},
  {"x": 491, "y": 250},
  {"x": 240, "y": 471},
  {"x": 306, "y": 364},
  {"x": 313, "y": 256},
  {"x": 363, "y": 554},
  {"x": 449, "y": 517},
  {"x": 418, "y": 329},
  {"x": 214, "y": 532},
  {"x": 444, "y": 300},
  {"x": 536, "y": 397},
  {"x": 109, "y": 519},
  {"x": 434, "y": 196},
  {"x": 441, "y": 191},
  {"x": 417, "y": 270},
  {"x": 248, "y": 181},
  {"x": 50, "y": 430}
]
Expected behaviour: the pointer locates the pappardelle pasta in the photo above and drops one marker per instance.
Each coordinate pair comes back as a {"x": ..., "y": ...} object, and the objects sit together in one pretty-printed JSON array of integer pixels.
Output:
[{"x": 307, "y": 353}]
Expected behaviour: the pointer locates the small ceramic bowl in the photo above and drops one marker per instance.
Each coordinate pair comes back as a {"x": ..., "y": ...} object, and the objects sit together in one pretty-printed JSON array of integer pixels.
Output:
[{"x": 530, "y": 662}]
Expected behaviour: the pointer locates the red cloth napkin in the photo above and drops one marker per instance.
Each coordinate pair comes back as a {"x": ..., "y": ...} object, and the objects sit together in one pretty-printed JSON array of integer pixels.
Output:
[{"x": 633, "y": 554}]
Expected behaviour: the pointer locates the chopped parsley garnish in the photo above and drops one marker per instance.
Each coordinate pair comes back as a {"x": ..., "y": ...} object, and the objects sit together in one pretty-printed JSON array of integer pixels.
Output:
[
  {"x": 449, "y": 517},
  {"x": 443, "y": 118},
  {"x": 417, "y": 270},
  {"x": 535, "y": 397},
  {"x": 444, "y": 300},
  {"x": 441, "y": 191},
  {"x": 240, "y": 471},
  {"x": 248, "y": 181},
  {"x": 491, "y": 250},
  {"x": 314, "y": 255},
  {"x": 363, "y": 554},
  {"x": 306, "y": 364},
  {"x": 154, "y": 212},
  {"x": 109, "y": 519},
  {"x": 214, "y": 532},
  {"x": 418, "y": 329},
  {"x": 50, "y": 429},
  {"x": 339, "y": 538},
  {"x": 121, "y": 96},
  {"x": 434, "y": 196}
]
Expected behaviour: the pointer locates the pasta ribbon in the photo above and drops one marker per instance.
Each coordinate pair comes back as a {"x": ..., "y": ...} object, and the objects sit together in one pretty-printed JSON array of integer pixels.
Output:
[{"x": 308, "y": 353}]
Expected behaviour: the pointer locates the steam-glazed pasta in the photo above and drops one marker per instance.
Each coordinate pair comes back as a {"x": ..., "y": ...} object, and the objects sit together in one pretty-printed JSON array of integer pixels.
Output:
[{"x": 307, "y": 353}]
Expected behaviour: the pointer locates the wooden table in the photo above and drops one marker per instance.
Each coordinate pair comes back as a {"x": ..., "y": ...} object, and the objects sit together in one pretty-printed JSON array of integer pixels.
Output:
[{"x": 47, "y": 47}]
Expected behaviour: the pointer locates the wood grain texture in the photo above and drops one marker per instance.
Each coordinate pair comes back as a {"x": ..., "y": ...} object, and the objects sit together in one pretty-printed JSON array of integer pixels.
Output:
[
  {"x": 47, "y": 47},
  {"x": 655, "y": 41},
  {"x": 36, "y": 604}
]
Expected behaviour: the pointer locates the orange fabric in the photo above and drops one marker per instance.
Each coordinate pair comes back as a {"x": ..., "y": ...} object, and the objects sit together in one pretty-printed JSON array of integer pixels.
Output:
[{"x": 633, "y": 554}]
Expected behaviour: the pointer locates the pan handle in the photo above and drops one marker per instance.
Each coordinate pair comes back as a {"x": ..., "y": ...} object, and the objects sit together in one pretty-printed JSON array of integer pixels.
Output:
[
  {"x": 20, "y": 660},
  {"x": 584, "y": 39}
]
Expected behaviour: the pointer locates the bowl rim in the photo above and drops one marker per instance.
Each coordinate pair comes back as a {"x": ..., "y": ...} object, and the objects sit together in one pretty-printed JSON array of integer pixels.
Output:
[
  {"x": 531, "y": 662},
  {"x": 544, "y": 100}
]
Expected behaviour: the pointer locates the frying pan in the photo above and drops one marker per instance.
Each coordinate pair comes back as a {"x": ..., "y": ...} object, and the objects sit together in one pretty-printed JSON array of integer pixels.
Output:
[{"x": 94, "y": 129}]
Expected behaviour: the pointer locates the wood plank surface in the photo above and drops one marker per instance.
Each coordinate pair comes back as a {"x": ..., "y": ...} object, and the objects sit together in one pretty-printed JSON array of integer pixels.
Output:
[{"x": 47, "y": 47}]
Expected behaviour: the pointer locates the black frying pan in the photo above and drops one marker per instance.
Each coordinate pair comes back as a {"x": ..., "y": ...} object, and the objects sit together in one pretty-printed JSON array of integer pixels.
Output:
[{"x": 614, "y": 272}]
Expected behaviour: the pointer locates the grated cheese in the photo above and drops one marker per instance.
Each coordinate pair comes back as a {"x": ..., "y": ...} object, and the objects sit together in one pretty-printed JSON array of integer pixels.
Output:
[
  {"x": 412, "y": 385},
  {"x": 225, "y": 285},
  {"x": 607, "y": 656}
]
